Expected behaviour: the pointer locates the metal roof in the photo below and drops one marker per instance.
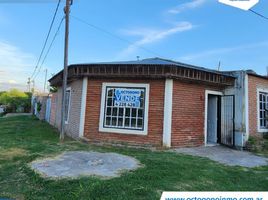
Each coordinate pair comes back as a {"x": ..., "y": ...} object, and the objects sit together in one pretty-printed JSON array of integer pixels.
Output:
[
  {"x": 253, "y": 73},
  {"x": 151, "y": 68},
  {"x": 154, "y": 61}
]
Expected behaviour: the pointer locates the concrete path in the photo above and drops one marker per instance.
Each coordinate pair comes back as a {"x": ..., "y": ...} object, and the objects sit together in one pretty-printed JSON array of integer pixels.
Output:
[
  {"x": 226, "y": 156},
  {"x": 82, "y": 163},
  {"x": 17, "y": 114}
]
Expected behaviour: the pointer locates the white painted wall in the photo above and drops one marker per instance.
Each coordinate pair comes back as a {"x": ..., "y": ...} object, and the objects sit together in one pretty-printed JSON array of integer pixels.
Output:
[
  {"x": 167, "y": 125},
  {"x": 245, "y": 136},
  {"x": 212, "y": 119},
  {"x": 83, "y": 107}
]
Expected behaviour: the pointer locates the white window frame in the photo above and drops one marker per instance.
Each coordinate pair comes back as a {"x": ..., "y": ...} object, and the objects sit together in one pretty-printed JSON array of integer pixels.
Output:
[
  {"x": 260, "y": 90},
  {"x": 146, "y": 104},
  {"x": 68, "y": 113}
]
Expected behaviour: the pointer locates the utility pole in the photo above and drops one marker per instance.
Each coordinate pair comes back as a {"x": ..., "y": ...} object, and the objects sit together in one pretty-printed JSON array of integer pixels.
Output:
[
  {"x": 65, "y": 70},
  {"x": 219, "y": 66},
  {"x": 33, "y": 86},
  {"x": 45, "y": 83},
  {"x": 29, "y": 84}
]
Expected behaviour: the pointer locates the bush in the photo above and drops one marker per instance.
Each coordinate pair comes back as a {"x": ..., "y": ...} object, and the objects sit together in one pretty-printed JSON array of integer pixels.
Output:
[
  {"x": 16, "y": 101},
  {"x": 255, "y": 144},
  {"x": 53, "y": 89},
  {"x": 39, "y": 106}
]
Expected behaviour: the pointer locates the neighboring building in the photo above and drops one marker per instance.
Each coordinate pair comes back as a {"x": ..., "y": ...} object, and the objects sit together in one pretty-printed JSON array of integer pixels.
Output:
[
  {"x": 257, "y": 89},
  {"x": 157, "y": 102},
  {"x": 2, "y": 109},
  {"x": 40, "y": 106}
]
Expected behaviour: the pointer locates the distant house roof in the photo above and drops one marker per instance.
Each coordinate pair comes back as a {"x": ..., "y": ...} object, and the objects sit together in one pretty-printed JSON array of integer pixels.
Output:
[
  {"x": 147, "y": 68},
  {"x": 253, "y": 73}
]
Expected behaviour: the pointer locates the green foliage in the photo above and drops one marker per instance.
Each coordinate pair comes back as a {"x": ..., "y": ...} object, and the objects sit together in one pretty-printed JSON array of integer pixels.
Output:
[
  {"x": 25, "y": 139},
  {"x": 53, "y": 89},
  {"x": 16, "y": 100},
  {"x": 258, "y": 145},
  {"x": 252, "y": 140},
  {"x": 39, "y": 106}
]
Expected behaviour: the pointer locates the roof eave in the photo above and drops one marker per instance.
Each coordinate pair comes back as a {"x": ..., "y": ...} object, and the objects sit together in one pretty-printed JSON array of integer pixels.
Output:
[{"x": 148, "y": 71}]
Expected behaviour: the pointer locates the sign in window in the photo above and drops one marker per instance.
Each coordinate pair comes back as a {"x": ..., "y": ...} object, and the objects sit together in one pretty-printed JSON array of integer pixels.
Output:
[{"x": 124, "y": 108}]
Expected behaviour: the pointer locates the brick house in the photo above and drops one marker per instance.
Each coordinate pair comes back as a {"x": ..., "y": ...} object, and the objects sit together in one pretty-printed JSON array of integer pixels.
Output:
[
  {"x": 158, "y": 102},
  {"x": 257, "y": 103}
]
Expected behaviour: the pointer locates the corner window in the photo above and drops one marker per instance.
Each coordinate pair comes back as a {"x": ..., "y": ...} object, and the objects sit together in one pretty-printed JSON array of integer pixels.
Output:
[
  {"x": 124, "y": 108},
  {"x": 263, "y": 110},
  {"x": 67, "y": 104}
]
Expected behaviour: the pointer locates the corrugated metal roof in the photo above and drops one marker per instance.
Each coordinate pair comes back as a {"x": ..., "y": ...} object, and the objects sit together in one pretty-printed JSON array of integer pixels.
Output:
[
  {"x": 154, "y": 61},
  {"x": 146, "y": 68}
]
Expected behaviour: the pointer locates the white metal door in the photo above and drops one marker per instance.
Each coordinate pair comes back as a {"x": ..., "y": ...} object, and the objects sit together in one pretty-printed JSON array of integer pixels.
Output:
[
  {"x": 212, "y": 119},
  {"x": 227, "y": 120}
]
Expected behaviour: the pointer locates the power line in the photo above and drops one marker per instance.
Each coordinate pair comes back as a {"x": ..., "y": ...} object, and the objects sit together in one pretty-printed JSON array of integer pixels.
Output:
[
  {"x": 259, "y": 14},
  {"x": 49, "y": 48},
  {"x": 48, "y": 34},
  {"x": 114, "y": 36}
]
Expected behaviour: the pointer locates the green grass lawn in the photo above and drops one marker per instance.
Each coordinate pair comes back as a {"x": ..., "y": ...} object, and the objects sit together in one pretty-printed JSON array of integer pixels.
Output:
[{"x": 24, "y": 139}]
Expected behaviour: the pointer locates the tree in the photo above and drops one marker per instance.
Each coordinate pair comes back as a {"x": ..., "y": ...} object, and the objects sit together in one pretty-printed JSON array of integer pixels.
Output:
[
  {"x": 53, "y": 89},
  {"x": 15, "y": 100}
]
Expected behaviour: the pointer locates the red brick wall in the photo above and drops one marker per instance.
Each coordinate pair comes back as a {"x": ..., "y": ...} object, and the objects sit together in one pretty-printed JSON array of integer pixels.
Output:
[
  {"x": 188, "y": 114},
  {"x": 155, "y": 121},
  {"x": 52, "y": 119},
  {"x": 254, "y": 83}
]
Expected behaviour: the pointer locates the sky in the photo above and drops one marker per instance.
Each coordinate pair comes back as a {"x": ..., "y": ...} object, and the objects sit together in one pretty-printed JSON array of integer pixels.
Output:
[{"x": 199, "y": 32}]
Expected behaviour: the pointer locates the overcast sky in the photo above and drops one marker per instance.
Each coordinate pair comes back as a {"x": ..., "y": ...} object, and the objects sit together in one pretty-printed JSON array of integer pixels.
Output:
[{"x": 200, "y": 32}]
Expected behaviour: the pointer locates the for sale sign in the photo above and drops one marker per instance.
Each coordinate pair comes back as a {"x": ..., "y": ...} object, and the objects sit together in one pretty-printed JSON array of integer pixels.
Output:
[
  {"x": 242, "y": 4},
  {"x": 127, "y": 97}
]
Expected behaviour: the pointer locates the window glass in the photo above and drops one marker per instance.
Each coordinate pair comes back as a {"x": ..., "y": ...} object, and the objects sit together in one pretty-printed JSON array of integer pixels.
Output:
[
  {"x": 124, "y": 108},
  {"x": 263, "y": 102}
]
